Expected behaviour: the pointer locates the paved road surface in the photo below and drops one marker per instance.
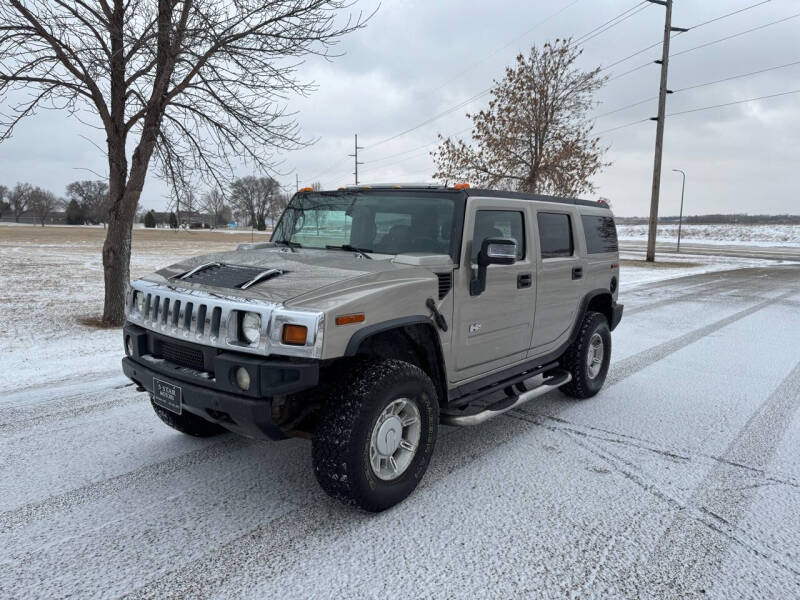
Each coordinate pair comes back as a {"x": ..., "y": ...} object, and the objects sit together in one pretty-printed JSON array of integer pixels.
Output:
[
  {"x": 736, "y": 250},
  {"x": 681, "y": 479}
]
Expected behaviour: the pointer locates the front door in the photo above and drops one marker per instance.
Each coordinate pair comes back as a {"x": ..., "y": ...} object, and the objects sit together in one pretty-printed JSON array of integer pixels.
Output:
[{"x": 493, "y": 329}]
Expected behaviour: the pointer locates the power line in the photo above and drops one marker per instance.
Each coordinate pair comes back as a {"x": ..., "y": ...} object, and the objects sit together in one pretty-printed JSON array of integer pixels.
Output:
[
  {"x": 693, "y": 110},
  {"x": 613, "y": 23},
  {"x": 692, "y": 28},
  {"x": 735, "y": 35},
  {"x": 702, "y": 108},
  {"x": 711, "y": 43},
  {"x": 730, "y": 14},
  {"x": 732, "y": 77},
  {"x": 510, "y": 43},
  {"x": 699, "y": 85},
  {"x": 600, "y": 30}
]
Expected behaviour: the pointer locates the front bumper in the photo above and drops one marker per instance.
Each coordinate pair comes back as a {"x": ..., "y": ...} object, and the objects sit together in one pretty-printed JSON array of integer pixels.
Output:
[
  {"x": 616, "y": 315},
  {"x": 217, "y": 398}
]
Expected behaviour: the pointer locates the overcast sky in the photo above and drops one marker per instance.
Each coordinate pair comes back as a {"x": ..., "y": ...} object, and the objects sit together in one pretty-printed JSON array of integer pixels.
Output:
[{"x": 419, "y": 58}]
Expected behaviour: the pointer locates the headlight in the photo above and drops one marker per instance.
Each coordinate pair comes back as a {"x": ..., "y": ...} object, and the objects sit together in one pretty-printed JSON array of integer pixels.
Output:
[{"x": 251, "y": 328}]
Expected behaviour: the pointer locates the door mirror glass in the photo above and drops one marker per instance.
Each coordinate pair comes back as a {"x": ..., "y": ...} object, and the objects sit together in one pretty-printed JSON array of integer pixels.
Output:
[{"x": 500, "y": 251}]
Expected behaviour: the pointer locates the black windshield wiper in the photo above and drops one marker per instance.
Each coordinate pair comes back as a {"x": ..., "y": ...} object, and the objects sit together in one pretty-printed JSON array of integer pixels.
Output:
[
  {"x": 350, "y": 248},
  {"x": 289, "y": 244}
]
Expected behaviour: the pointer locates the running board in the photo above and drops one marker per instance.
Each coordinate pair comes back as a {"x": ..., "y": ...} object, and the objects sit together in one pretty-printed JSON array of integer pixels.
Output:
[{"x": 556, "y": 379}]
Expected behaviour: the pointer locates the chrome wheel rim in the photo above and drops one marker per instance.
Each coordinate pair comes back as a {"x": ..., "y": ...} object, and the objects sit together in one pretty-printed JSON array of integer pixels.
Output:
[
  {"x": 394, "y": 440},
  {"x": 594, "y": 357}
]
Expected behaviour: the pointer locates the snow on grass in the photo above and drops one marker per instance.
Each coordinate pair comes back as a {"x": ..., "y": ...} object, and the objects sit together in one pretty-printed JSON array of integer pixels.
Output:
[{"x": 745, "y": 235}]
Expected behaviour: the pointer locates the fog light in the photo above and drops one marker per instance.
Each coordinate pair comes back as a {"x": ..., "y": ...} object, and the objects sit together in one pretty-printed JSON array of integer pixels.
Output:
[
  {"x": 128, "y": 345},
  {"x": 243, "y": 378}
]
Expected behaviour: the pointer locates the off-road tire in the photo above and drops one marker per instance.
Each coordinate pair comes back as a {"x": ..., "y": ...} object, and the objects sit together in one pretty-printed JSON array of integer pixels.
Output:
[
  {"x": 187, "y": 423},
  {"x": 574, "y": 359},
  {"x": 341, "y": 442}
]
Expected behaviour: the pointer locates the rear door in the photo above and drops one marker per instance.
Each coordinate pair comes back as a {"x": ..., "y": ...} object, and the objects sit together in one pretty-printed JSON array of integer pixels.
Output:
[
  {"x": 560, "y": 277},
  {"x": 493, "y": 329}
]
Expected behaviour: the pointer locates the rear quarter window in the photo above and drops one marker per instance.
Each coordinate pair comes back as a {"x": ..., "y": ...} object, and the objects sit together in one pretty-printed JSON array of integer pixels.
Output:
[
  {"x": 555, "y": 234},
  {"x": 601, "y": 234}
]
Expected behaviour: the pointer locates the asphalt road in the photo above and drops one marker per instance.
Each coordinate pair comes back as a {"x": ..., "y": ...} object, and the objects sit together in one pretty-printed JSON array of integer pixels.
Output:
[
  {"x": 735, "y": 250},
  {"x": 680, "y": 479}
]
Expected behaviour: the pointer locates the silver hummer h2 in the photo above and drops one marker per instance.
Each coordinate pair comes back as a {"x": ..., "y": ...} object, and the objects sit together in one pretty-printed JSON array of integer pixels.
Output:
[{"x": 375, "y": 314}]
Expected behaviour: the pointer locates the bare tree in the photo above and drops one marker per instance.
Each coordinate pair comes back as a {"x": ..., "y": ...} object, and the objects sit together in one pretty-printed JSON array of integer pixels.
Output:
[
  {"x": 4, "y": 206},
  {"x": 93, "y": 198},
  {"x": 252, "y": 197},
  {"x": 43, "y": 203},
  {"x": 187, "y": 84},
  {"x": 213, "y": 202},
  {"x": 18, "y": 199},
  {"x": 535, "y": 135}
]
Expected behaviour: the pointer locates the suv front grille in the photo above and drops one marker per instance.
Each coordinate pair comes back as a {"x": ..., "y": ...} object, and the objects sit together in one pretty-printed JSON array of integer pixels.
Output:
[{"x": 183, "y": 356}]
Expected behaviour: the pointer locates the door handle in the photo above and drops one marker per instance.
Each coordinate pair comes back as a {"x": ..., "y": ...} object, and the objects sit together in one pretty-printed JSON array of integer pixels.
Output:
[
  {"x": 577, "y": 272},
  {"x": 524, "y": 280}
]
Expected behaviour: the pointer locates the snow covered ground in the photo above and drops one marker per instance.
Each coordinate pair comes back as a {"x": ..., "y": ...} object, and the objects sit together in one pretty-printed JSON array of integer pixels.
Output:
[
  {"x": 680, "y": 479},
  {"x": 745, "y": 235}
]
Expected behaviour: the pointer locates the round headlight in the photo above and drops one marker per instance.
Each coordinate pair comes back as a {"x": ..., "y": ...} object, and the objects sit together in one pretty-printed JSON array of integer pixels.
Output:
[
  {"x": 251, "y": 327},
  {"x": 243, "y": 378},
  {"x": 140, "y": 303}
]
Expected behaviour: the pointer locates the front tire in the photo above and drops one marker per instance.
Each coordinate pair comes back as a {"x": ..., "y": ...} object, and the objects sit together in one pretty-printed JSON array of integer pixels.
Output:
[
  {"x": 588, "y": 357},
  {"x": 376, "y": 434},
  {"x": 187, "y": 423}
]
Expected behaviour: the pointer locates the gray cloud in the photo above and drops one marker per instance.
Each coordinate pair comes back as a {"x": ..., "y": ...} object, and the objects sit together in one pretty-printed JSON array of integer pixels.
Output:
[{"x": 417, "y": 59}]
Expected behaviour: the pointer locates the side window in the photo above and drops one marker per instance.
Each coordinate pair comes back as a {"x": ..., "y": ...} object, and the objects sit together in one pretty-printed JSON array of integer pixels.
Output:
[
  {"x": 498, "y": 224},
  {"x": 555, "y": 235},
  {"x": 601, "y": 234}
]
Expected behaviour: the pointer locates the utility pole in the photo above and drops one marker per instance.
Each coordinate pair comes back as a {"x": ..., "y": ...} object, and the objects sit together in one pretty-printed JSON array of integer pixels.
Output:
[
  {"x": 297, "y": 182},
  {"x": 355, "y": 158},
  {"x": 680, "y": 217},
  {"x": 662, "y": 103}
]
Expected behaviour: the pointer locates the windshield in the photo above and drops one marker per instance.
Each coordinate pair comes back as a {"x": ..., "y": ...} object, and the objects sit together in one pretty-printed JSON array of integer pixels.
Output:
[{"x": 382, "y": 221}]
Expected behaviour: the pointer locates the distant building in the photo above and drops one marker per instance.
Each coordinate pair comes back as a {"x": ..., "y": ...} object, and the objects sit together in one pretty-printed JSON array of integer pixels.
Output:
[{"x": 30, "y": 218}]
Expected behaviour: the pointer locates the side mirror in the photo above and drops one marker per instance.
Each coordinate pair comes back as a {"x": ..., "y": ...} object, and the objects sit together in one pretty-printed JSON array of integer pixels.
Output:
[{"x": 494, "y": 251}]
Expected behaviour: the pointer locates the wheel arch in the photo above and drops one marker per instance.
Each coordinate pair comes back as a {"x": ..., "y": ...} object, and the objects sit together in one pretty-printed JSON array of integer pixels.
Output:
[{"x": 413, "y": 339}]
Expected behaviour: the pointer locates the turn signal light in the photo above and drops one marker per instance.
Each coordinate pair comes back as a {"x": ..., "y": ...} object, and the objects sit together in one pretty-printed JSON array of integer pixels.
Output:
[
  {"x": 348, "y": 319},
  {"x": 294, "y": 335},
  {"x": 461, "y": 186}
]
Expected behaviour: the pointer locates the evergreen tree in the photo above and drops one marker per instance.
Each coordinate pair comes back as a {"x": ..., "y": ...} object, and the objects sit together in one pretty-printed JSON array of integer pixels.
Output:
[
  {"x": 173, "y": 221},
  {"x": 74, "y": 213},
  {"x": 149, "y": 220}
]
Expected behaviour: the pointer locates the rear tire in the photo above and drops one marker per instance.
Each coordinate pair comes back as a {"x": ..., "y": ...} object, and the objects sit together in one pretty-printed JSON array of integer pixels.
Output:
[
  {"x": 362, "y": 448},
  {"x": 187, "y": 423},
  {"x": 588, "y": 357}
]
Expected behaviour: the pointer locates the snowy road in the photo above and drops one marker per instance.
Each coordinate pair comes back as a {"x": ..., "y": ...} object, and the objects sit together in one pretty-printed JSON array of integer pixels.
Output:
[{"x": 681, "y": 479}]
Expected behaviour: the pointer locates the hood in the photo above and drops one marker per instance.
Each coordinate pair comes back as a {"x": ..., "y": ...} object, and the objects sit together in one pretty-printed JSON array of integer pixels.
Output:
[{"x": 293, "y": 275}]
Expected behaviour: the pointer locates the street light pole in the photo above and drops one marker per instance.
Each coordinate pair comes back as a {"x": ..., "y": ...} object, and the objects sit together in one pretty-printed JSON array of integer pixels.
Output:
[{"x": 680, "y": 218}]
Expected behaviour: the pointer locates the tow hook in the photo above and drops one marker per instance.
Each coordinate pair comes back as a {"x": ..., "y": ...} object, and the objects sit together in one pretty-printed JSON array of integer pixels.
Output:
[{"x": 438, "y": 317}]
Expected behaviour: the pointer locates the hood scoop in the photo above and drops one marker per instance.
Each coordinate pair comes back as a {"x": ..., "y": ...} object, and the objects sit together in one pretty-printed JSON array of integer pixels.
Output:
[{"x": 229, "y": 276}]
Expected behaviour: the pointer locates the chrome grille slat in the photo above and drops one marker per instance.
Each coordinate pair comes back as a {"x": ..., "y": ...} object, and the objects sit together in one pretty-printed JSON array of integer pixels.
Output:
[{"x": 205, "y": 318}]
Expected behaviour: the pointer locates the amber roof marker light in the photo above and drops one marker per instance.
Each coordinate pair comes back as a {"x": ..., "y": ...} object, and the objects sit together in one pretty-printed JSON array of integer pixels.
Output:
[
  {"x": 305, "y": 189},
  {"x": 461, "y": 186}
]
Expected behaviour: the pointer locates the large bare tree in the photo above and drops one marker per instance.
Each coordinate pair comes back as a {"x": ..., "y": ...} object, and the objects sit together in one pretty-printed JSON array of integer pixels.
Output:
[
  {"x": 190, "y": 85},
  {"x": 18, "y": 198},
  {"x": 43, "y": 203},
  {"x": 535, "y": 135},
  {"x": 254, "y": 197},
  {"x": 93, "y": 198}
]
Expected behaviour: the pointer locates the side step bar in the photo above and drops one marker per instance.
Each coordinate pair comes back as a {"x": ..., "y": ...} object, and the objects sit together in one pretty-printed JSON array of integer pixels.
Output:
[{"x": 556, "y": 379}]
